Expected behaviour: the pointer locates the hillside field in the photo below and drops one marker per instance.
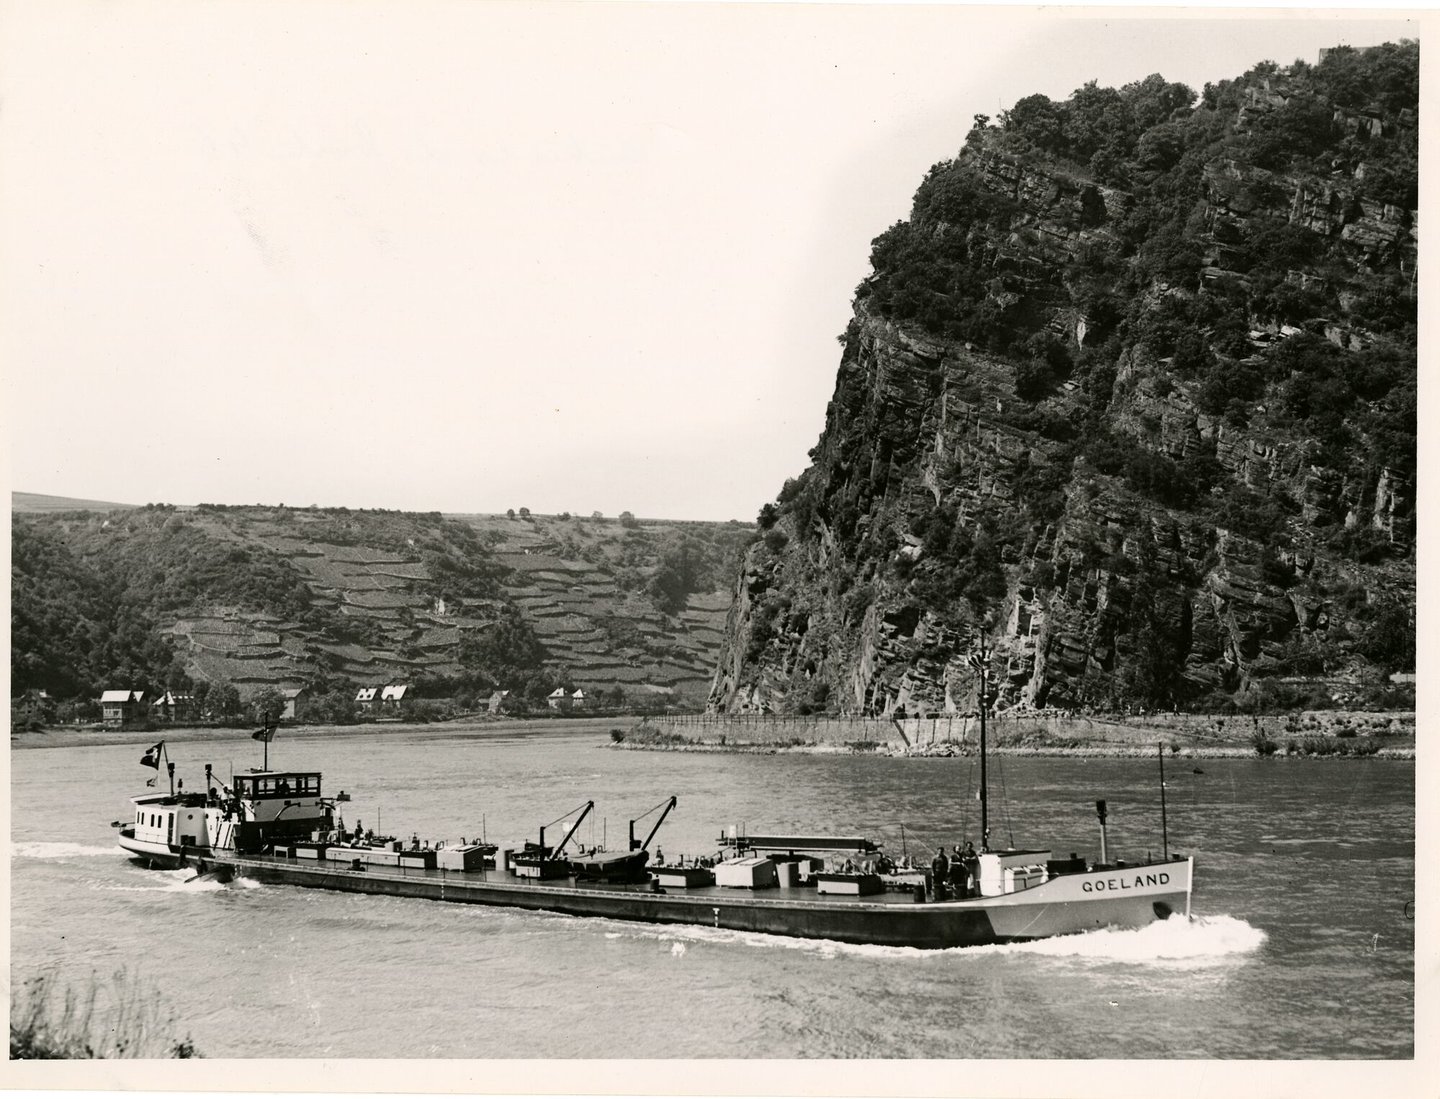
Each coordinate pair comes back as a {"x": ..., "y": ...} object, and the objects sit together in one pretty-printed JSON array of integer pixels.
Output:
[{"x": 329, "y": 598}]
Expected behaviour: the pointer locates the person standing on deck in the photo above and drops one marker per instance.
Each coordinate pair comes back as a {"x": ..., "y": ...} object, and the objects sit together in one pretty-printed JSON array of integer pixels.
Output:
[
  {"x": 939, "y": 874},
  {"x": 972, "y": 870},
  {"x": 957, "y": 874}
]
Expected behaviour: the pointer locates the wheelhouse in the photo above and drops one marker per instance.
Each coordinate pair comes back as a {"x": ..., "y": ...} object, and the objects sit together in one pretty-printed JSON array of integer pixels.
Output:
[{"x": 263, "y": 785}]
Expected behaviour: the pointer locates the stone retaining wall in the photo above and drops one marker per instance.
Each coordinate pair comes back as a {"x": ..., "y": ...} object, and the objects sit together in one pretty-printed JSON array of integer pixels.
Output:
[{"x": 916, "y": 732}]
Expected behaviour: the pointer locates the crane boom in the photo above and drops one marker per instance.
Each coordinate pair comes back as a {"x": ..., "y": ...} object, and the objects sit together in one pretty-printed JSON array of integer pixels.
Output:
[
  {"x": 574, "y": 827},
  {"x": 646, "y": 845}
]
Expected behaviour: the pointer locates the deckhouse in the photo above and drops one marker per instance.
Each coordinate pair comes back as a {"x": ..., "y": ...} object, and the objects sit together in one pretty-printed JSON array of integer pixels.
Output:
[
  {"x": 279, "y": 805},
  {"x": 259, "y": 809}
]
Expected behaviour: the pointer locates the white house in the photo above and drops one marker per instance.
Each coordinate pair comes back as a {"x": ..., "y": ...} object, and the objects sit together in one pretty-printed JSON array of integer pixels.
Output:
[
  {"x": 172, "y": 707},
  {"x": 292, "y": 701},
  {"x": 119, "y": 707}
]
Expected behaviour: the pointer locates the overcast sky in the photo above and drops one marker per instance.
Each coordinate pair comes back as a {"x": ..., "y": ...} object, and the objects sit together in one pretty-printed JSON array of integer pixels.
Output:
[{"x": 468, "y": 257}]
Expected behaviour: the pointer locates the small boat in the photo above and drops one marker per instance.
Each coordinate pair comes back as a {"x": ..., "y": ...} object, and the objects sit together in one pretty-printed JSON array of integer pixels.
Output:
[{"x": 277, "y": 826}]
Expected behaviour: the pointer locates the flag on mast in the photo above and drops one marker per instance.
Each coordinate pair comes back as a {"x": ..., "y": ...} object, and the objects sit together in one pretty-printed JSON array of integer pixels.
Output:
[
  {"x": 266, "y": 734},
  {"x": 151, "y": 758}
]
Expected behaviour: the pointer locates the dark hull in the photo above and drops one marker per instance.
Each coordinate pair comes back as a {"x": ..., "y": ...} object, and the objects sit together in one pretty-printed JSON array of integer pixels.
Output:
[{"x": 1062, "y": 906}]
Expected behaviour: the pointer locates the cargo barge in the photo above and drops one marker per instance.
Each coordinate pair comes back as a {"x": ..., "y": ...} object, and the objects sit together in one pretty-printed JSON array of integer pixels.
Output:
[{"x": 278, "y": 827}]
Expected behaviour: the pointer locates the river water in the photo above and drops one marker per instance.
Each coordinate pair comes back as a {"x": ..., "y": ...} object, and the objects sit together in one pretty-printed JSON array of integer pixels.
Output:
[{"x": 1301, "y": 947}]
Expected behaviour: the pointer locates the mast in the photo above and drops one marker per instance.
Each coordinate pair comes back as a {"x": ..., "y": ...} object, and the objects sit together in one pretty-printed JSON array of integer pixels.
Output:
[
  {"x": 1164, "y": 819},
  {"x": 982, "y": 665}
]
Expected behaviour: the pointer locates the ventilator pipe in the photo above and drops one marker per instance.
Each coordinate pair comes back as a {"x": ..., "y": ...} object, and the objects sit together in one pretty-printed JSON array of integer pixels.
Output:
[{"x": 1100, "y": 812}]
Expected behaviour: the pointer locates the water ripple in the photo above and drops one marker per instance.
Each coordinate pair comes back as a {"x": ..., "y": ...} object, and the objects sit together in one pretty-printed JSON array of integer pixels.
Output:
[{"x": 59, "y": 851}]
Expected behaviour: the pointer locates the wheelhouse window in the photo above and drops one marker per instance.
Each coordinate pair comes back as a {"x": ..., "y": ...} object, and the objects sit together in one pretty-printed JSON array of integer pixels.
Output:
[{"x": 273, "y": 786}]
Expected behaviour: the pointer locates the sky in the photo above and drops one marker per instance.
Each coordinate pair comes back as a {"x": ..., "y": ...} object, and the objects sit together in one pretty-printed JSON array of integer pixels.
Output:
[{"x": 469, "y": 257}]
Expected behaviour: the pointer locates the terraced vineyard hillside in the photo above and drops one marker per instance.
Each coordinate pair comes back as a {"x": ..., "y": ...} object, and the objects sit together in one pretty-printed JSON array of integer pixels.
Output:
[
  {"x": 329, "y": 599},
  {"x": 585, "y": 586}
]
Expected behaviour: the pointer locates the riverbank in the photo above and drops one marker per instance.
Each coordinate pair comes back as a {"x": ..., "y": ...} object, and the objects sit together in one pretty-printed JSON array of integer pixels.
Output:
[
  {"x": 1317, "y": 735},
  {"x": 93, "y": 736},
  {"x": 1308, "y": 735},
  {"x": 1093, "y": 751}
]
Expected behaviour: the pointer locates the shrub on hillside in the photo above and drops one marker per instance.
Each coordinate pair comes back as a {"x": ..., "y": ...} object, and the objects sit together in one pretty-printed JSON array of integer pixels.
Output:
[{"x": 1263, "y": 743}]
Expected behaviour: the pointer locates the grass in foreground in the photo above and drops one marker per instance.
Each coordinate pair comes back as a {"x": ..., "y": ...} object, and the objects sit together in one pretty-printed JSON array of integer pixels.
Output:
[{"x": 121, "y": 1019}]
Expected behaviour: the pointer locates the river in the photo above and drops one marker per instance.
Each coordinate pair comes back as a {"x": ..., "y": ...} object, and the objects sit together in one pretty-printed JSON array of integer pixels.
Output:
[{"x": 1301, "y": 947}]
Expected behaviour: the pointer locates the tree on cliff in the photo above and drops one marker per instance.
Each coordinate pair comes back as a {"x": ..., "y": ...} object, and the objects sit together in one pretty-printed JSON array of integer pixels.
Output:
[{"x": 682, "y": 570}]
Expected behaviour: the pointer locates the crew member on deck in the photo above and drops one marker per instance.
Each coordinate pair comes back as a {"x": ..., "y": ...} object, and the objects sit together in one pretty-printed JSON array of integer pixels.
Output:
[
  {"x": 939, "y": 874},
  {"x": 972, "y": 870},
  {"x": 957, "y": 873}
]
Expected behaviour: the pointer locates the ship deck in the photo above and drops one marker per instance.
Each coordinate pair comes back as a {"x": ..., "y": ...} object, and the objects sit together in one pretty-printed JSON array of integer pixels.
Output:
[
  {"x": 1111, "y": 897},
  {"x": 785, "y": 896}
]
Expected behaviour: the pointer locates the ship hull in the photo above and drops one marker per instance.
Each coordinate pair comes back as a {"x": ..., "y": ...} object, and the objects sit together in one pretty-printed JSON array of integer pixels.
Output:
[
  {"x": 1069, "y": 904},
  {"x": 157, "y": 856}
]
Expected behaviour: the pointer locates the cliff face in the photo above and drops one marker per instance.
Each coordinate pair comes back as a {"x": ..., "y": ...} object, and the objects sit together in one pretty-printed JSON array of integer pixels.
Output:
[{"x": 1146, "y": 420}]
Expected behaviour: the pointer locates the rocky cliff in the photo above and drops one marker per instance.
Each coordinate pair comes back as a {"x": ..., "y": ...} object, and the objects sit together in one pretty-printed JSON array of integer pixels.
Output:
[{"x": 1132, "y": 394}]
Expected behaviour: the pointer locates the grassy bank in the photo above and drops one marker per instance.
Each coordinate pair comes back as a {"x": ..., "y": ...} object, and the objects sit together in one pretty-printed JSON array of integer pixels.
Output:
[{"x": 119, "y": 1018}]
